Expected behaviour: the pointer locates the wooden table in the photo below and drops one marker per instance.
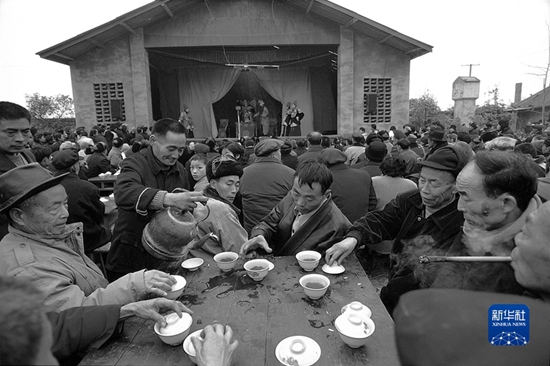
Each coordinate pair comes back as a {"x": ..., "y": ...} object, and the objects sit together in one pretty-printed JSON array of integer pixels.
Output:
[
  {"x": 261, "y": 315},
  {"x": 106, "y": 185}
]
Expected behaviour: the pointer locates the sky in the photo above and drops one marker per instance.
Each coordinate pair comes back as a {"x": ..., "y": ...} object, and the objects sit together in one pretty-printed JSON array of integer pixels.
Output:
[{"x": 508, "y": 39}]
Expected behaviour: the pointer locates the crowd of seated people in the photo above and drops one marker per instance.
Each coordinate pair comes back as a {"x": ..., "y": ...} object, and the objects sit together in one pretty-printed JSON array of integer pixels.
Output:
[{"x": 433, "y": 191}]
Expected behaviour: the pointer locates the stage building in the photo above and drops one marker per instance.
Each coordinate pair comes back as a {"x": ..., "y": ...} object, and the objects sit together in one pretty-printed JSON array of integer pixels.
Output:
[{"x": 342, "y": 69}]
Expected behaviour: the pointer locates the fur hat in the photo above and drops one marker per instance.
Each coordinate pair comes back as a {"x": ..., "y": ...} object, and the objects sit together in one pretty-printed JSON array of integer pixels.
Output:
[{"x": 220, "y": 167}]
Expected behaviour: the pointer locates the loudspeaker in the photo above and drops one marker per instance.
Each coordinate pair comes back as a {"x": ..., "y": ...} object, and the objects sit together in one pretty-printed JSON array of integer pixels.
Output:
[
  {"x": 116, "y": 109},
  {"x": 372, "y": 100}
]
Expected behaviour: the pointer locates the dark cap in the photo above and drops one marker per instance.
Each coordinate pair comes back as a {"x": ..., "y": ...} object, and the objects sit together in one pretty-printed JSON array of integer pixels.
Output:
[
  {"x": 201, "y": 148},
  {"x": 286, "y": 148},
  {"x": 64, "y": 159},
  {"x": 268, "y": 146},
  {"x": 412, "y": 138},
  {"x": 404, "y": 144},
  {"x": 376, "y": 151},
  {"x": 445, "y": 158},
  {"x": 332, "y": 156},
  {"x": 437, "y": 134}
]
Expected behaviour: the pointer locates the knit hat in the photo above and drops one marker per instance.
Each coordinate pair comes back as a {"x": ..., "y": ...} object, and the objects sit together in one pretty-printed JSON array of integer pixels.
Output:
[
  {"x": 332, "y": 156},
  {"x": 445, "y": 158},
  {"x": 376, "y": 151},
  {"x": 64, "y": 159},
  {"x": 286, "y": 148},
  {"x": 268, "y": 146},
  {"x": 373, "y": 137},
  {"x": 222, "y": 167}
]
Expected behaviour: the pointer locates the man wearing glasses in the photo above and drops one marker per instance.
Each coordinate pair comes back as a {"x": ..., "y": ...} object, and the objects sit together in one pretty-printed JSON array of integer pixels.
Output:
[{"x": 143, "y": 187}]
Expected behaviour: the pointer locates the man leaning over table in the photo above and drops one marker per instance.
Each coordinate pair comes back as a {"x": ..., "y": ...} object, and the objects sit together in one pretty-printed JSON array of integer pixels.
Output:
[
  {"x": 306, "y": 219},
  {"x": 41, "y": 248},
  {"x": 143, "y": 187},
  {"x": 32, "y": 336},
  {"x": 424, "y": 219},
  {"x": 422, "y": 320}
]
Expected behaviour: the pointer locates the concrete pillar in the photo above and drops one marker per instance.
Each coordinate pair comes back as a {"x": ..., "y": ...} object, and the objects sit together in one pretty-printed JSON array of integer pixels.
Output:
[
  {"x": 141, "y": 88},
  {"x": 345, "y": 81},
  {"x": 465, "y": 93}
]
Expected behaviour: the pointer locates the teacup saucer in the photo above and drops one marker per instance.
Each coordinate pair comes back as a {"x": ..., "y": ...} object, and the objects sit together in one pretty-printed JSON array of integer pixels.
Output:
[
  {"x": 334, "y": 269},
  {"x": 298, "y": 350}
]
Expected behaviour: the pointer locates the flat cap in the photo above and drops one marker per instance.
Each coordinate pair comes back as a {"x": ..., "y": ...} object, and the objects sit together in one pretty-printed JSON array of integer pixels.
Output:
[
  {"x": 332, "y": 156},
  {"x": 268, "y": 146},
  {"x": 64, "y": 159}
]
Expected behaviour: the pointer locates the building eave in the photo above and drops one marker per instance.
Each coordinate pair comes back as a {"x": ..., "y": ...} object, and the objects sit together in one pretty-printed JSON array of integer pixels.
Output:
[{"x": 159, "y": 10}]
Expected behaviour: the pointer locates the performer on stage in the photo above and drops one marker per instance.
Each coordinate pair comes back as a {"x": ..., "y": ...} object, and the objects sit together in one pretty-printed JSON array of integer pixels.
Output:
[
  {"x": 292, "y": 122},
  {"x": 263, "y": 114},
  {"x": 187, "y": 122}
]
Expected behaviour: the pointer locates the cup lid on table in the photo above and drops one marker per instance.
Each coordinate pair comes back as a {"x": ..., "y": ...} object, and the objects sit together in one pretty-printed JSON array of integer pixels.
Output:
[
  {"x": 354, "y": 325},
  {"x": 334, "y": 269},
  {"x": 175, "y": 324},
  {"x": 298, "y": 350}
]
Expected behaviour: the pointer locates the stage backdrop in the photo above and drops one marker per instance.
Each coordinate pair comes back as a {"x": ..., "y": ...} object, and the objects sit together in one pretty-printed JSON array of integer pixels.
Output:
[
  {"x": 199, "y": 88},
  {"x": 289, "y": 85}
]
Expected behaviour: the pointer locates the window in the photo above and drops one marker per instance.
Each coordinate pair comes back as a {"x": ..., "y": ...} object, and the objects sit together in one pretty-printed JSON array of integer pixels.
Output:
[
  {"x": 377, "y": 100},
  {"x": 109, "y": 102}
]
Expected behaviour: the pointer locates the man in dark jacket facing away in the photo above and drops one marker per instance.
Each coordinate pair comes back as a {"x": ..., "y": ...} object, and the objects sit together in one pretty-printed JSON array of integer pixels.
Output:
[
  {"x": 84, "y": 200},
  {"x": 352, "y": 189},
  {"x": 143, "y": 187},
  {"x": 306, "y": 219}
]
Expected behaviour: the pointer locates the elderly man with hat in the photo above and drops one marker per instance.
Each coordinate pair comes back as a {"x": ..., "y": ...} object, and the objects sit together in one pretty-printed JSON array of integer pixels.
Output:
[
  {"x": 352, "y": 189},
  {"x": 375, "y": 152},
  {"x": 84, "y": 202},
  {"x": 223, "y": 174},
  {"x": 40, "y": 247},
  {"x": 265, "y": 182},
  {"x": 419, "y": 221},
  {"x": 306, "y": 219},
  {"x": 437, "y": 138}
]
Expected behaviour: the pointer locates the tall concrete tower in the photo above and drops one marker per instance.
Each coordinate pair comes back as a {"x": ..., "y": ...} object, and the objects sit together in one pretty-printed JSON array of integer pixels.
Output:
[{"x": 465, "y": 93}]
